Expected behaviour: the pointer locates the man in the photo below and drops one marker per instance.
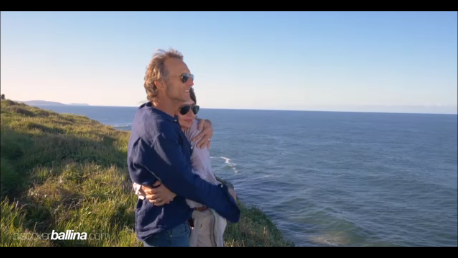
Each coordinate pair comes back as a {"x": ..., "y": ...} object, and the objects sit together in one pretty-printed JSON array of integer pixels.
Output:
[{"x": 159, "y": 151}]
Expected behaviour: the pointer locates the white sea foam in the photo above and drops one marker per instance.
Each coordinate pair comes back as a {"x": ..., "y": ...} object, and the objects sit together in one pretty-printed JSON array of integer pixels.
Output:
[
  {"x": 230, "y": 164},
  {"x": 121, "y": 125}
]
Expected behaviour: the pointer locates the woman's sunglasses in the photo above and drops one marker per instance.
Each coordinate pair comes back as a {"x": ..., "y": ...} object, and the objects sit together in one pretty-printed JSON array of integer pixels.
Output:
[
  {"x": 185, "y": 109},
  {"x": 185, "y": 77}
]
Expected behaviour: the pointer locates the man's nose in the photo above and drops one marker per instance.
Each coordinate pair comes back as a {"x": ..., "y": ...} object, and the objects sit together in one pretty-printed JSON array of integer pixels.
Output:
[{"x": 190, "y": 83}]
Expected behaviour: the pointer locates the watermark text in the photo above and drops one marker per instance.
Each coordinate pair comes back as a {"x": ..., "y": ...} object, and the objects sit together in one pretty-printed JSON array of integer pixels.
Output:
[{"x": 67, "y": 235}]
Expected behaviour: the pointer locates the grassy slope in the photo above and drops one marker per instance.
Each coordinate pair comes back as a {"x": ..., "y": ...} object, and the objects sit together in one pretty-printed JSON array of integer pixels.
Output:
[{"x": 68, "y": 172}]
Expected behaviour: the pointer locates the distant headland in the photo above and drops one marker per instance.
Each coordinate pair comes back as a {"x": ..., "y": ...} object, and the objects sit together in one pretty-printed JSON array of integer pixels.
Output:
[{"x": 49, "y": 103}]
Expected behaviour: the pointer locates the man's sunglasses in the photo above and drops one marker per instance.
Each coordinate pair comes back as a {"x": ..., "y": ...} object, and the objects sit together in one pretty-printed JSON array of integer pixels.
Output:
[
  {"x": 185, "y": 77},
  {"x": 185, "y": 109}
]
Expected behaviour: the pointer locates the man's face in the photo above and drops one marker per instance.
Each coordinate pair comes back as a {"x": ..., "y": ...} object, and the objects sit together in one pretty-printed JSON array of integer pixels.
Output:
[{"x": 176, "y": 88}]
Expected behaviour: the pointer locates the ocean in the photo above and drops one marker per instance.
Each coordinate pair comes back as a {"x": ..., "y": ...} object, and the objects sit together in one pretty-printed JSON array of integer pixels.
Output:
[{"x": 334, "y": 178}]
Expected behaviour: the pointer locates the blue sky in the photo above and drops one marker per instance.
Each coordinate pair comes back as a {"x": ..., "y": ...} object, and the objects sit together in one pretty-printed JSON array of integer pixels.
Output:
[{"x": 343, "y": 61}]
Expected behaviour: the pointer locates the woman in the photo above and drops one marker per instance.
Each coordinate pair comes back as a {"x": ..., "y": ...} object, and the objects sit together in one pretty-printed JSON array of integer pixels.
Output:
[{"x": 208, "y": 226}]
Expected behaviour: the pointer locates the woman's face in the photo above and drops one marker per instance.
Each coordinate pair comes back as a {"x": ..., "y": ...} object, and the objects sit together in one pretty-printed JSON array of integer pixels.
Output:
[{"x": 187, "y": 119}]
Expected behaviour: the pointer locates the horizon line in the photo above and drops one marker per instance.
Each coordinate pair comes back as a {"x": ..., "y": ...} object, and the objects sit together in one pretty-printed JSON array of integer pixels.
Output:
[
  {"x": 332, "y": 110},
  {"x": 292, "y": 110}
]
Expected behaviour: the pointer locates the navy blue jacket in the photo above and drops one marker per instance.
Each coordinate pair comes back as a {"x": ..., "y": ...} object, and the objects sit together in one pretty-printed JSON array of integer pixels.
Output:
[{"x": 159, "y": 150}]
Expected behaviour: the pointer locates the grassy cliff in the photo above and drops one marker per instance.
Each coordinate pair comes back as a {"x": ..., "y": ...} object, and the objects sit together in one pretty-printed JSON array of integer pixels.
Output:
[{"x": 67, "y": 172}]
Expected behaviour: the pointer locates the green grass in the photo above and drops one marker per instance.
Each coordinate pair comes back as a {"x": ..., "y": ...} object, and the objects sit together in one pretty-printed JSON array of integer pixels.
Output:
[{"x": 67, "y": 172}]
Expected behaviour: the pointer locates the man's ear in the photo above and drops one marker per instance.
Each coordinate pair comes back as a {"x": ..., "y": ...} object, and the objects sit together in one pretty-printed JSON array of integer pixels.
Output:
[{"x": 160, "y": 84}]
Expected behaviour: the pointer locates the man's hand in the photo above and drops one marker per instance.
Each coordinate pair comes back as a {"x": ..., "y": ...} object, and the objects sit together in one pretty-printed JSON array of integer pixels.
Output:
[
  {"x": 205, "y": 135},
  {"x": 160, "y": 195}
]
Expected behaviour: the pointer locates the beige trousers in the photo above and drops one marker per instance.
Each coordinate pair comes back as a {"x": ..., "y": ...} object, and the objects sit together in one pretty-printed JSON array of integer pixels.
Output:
[
  {"x": 208, "y": 229},
  {"x": 202, "y": 234}
]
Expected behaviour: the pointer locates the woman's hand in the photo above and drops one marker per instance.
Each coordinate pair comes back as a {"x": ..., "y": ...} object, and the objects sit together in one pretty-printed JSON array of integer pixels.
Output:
[
  {"x": 160, "y": 195},
  {"x": 203, "y": 139}
]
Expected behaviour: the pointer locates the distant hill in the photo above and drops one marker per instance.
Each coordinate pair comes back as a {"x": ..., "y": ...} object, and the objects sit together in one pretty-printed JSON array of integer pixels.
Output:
[{"x": 49, "y": 103}]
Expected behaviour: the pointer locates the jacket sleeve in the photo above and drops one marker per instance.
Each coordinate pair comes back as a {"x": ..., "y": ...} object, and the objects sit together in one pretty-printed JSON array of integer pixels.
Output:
[{"x": 165, "y": 160}]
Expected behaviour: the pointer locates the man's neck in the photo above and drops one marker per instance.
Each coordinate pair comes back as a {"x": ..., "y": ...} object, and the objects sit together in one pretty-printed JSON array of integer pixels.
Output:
[{"x": 167, "y": 106}]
